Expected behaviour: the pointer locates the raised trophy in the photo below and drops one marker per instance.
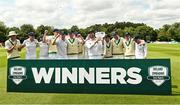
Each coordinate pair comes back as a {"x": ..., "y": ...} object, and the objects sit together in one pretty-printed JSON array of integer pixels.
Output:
[{"x": 100, "y": 35}]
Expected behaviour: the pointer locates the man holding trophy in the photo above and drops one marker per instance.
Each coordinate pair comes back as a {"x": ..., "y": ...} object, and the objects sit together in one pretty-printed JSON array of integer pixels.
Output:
[{"x": 94, "y": 46}]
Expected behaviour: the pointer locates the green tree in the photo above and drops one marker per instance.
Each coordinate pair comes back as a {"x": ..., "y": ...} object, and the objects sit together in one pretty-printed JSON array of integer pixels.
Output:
[
  {"x": 16, "y": 29},
  {"x": 120, "y": 32},
  {"x": 40, "y": 30},
  {"x": 74, "y": 29},
  {"x": 64, "y": 31},
  {"x": 174, "y": 31},
  {"x": 131, "y": 30},
  {"x": 163, "y": 34},
  {"x": 146, "y": 32},
  {"x": 24, "y": 30},
  {"x": 3, "y": 32},
  {"x": 50, "y": 29},
  {"x": 83, "y": 32}
]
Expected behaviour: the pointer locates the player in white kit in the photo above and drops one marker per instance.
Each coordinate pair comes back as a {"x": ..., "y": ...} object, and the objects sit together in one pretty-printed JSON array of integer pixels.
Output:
[
  {"x": 80, "y": 46},
  {"x": 94, "y": 47},
  {"x": 43, "y": 46},
  {"x": 31, "y": 43},
  {"x": 61, "y": 44},
  {"x": 140, "y": 48}
]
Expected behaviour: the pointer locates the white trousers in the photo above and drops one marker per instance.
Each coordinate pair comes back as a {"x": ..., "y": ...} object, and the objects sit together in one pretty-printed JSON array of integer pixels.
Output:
[
  {"x": 31, "y": 57},
  {"x": 73, "y": 56},
  {"x": 129, "y": 57},
  {"x": 95, "y": 57},
  {"x": 52, "y": 56},
  {"x": 43, "y": 57},
  {"x": 118, "y": 56}
]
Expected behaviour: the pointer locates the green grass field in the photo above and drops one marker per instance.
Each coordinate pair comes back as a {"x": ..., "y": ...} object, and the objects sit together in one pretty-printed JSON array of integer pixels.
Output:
[{"x": 154, "y": 51}]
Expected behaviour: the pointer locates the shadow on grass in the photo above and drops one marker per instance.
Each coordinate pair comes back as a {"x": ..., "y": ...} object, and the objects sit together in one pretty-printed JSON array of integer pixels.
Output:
[{"x": 176, "y": 93}]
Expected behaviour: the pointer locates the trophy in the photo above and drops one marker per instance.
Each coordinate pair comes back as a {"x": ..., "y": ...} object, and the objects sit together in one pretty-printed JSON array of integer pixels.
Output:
[{"x": 100, "y": 35}]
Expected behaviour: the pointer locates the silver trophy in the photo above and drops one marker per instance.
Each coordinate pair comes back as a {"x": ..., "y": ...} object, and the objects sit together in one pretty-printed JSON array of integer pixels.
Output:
[{"x": 100, "y": 35}]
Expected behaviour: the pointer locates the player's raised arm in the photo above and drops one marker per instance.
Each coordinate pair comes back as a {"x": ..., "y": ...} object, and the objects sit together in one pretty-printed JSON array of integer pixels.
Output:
[
  {"x": 44, "y": 39},
  {"x": 54, "y": 41}
]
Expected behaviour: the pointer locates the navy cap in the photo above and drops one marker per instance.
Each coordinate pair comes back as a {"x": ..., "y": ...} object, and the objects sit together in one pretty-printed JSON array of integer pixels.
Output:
[
  {"x": 127, "y": 34},
  {"x": 63, "y": 33},
  {"x": 31, "y": 34},
  {"x": 107, "y": 36},
  {"x": 75, "y": 33},
  {"x": 90, "y": 31},
  {"x": 137, "y": 37},
  {"x": 70, "y": 33},
  {"x": 56, "y": 30},
  {"x": 114, "y": 33}
]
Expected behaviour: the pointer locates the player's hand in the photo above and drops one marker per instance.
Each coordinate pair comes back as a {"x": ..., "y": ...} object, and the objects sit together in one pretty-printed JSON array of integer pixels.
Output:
[
  {"x": 99, "y": 39},
  {"x": 79, "y": 35},
  {"x": 45, "y": 32},
  {"x": 88, "y": 37},
  {"x": 103, "y": 38},
  {"x": 15, "y": 44},
  {"x": 58, "y": 35}
]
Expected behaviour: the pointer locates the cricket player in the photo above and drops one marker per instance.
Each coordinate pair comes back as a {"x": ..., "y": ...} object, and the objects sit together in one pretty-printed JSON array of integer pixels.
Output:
[
  {"x": 80, "y": 46},
  {"x": 44, "y": 47},
  {"x": 107, "y": 47},
  {"x": 81, "y": 42},
  {"x": 61, "y": 43},
  {"x": 72, "y": 46},
  {"x": 129, "y": 47},
  {"x": 12, "y": 45},
  {"x": 94, "y": 46},
  {"x": 31, "y": 43},
  {"x": 117, "y": 46},
  {"x": 53, "y": 47},
  {"x": 85, "y": 52},
  {"x": 141, "y": 48}
]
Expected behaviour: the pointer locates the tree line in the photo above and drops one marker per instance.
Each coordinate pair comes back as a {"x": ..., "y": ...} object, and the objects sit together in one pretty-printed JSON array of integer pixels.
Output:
[{"x": 165, "y": 33}]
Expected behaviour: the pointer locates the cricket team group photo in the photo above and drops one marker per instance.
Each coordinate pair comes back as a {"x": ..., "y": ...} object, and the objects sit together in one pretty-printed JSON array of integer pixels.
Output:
[
  {"x": 89, "y": 52},
  {"x": 73, "y": 46}
]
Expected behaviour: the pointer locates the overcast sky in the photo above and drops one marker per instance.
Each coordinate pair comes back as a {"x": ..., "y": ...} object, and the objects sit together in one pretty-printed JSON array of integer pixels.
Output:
[{"x": 83, "y": 13}]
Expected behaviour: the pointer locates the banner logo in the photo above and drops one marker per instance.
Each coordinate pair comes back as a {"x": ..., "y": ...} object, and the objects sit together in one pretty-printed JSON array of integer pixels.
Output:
[
  {"x": 158, "y": 74},
  {"x": 17, "y": 74}
]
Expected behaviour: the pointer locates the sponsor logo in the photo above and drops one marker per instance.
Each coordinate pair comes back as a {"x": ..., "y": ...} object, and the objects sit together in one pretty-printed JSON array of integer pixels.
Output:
[
  {"x": 158, "y": 74},
  {"x": 17, "y": 74}
]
